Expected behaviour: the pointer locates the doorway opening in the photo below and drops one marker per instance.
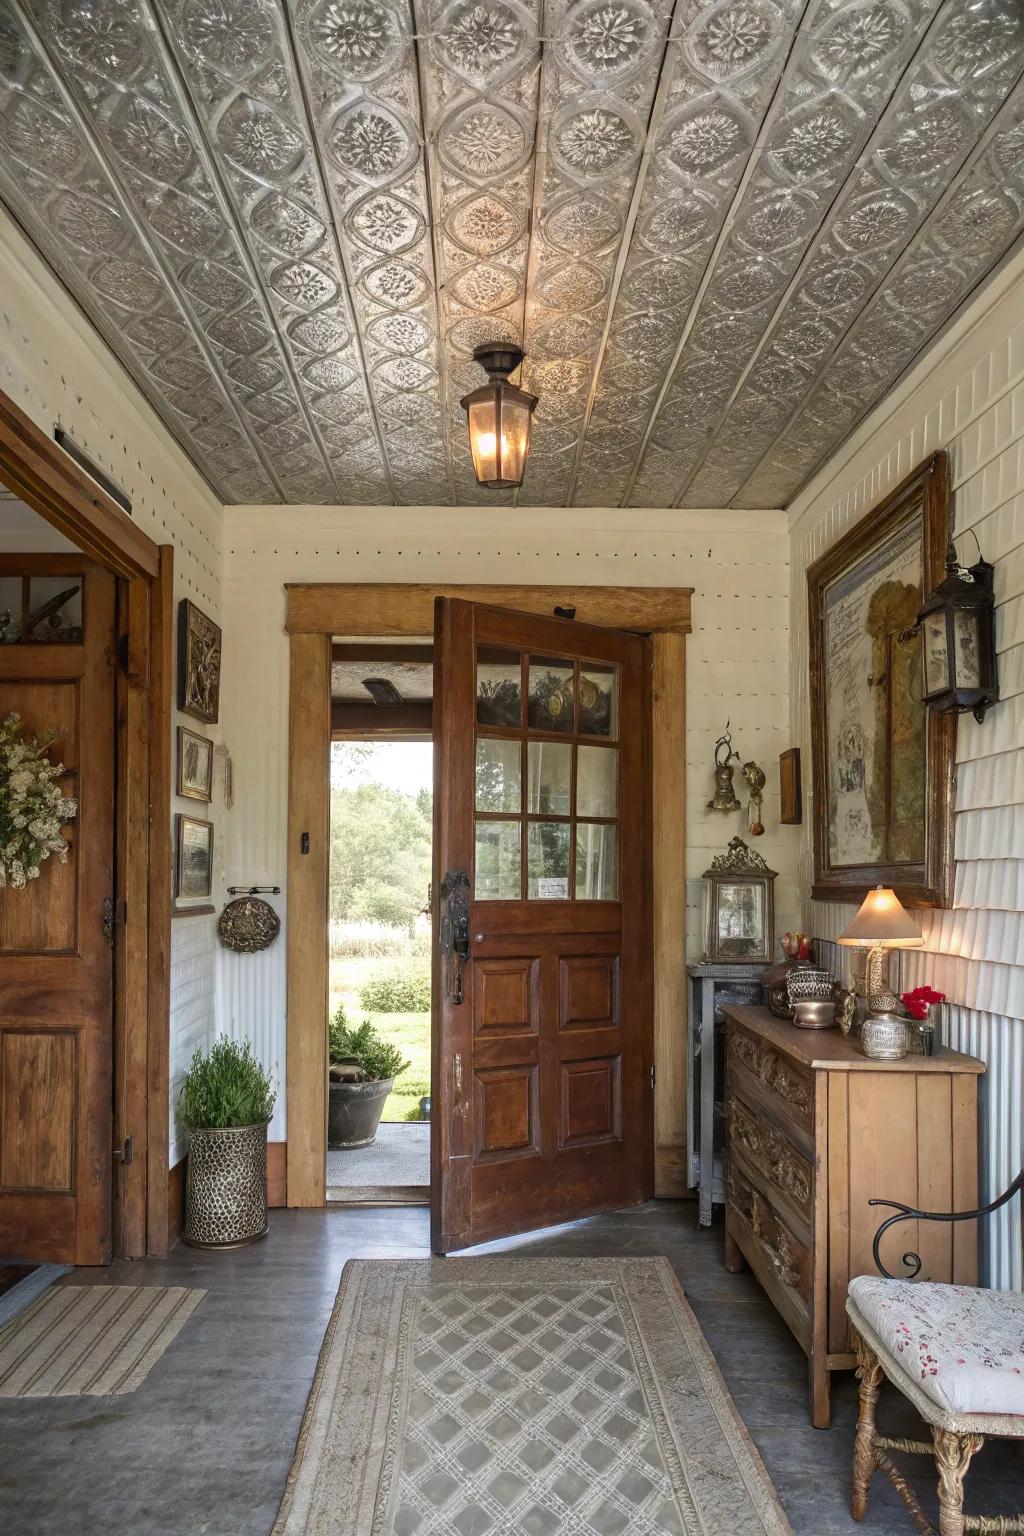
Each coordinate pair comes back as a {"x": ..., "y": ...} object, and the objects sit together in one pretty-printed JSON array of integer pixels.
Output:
[{"x": 379, "y": 927}]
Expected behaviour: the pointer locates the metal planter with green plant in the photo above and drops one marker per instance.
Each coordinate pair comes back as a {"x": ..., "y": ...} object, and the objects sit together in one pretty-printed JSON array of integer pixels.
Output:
[
  {"x": 362, "y": 1072},
  {"x": 226, "y": 1103}
]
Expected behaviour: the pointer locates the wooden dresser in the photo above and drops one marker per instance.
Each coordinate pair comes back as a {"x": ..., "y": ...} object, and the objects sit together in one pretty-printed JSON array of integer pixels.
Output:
[{"x": 814, "y": 1130}]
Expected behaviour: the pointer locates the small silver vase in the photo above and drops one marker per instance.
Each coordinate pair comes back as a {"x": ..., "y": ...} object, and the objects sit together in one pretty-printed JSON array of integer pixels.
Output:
[{"x": 884, "y": 1037}]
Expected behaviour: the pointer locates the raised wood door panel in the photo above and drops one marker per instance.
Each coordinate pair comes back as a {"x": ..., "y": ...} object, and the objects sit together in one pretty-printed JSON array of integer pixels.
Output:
[
  {"x": 56, "y": 973},
  {"x": 542, "y": 1074}
]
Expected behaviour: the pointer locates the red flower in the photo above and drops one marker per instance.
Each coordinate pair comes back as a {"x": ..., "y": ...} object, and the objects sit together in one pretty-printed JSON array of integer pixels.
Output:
[{"x": 920, "y": 1000}]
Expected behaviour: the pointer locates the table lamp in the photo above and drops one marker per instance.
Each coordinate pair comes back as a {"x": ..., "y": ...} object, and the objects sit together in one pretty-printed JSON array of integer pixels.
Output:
[{"x": 881, "y": 925}]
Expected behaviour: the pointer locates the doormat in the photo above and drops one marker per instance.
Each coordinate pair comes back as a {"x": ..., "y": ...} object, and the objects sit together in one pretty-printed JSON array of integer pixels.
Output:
[
  {"x": 20, "y": 1284},
  {"x": 521, "y": 1397},
  {"x": 91, "y": 1340}
]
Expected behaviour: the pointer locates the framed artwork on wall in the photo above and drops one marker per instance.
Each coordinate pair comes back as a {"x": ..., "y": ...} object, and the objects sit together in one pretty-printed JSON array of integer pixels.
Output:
[
  {"x": 791, "y": 812},
  {"x": 195, "y": 765},
  {"x": 882, "y": 762},
  {"x": 199, "y": 645},
  {"x": 193, "y": 866}
]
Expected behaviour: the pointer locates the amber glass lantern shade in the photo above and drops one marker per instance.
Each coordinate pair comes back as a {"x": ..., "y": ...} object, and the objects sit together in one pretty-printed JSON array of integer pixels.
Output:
[{"x": 499, "y": 420}]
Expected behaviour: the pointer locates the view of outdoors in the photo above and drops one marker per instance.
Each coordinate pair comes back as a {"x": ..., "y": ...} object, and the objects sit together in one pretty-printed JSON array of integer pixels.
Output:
[{"x": 381, "y": 795}]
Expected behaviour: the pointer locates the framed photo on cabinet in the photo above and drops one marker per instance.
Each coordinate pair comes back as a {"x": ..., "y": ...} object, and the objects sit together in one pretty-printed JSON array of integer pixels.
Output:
[{"x": 882, "y": 761}]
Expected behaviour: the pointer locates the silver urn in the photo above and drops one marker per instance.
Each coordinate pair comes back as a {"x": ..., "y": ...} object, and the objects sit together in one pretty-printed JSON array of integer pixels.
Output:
[{"x": 885, "y": 1037}]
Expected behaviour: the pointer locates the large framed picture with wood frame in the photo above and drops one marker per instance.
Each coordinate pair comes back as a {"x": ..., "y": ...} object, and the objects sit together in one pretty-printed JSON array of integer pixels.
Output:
[{"x": 882, "y": 762}]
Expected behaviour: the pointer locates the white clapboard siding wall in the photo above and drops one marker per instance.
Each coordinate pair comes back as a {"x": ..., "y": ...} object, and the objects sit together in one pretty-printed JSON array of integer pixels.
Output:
[
  {"x": 737, "y": 659},
  {"x": 967, "y": 396},
  {"x": 58, "y": 370}
]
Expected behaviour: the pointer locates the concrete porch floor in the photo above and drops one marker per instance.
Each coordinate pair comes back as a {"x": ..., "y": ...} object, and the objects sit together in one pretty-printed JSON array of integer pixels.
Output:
[{"x": 204, "y": 1447}]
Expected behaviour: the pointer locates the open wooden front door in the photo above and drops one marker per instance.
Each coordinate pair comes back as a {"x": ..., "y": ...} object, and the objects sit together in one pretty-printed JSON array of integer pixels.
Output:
[
  {"x": 542, "y": 1081},
  {"x": 56, "y": 973}
]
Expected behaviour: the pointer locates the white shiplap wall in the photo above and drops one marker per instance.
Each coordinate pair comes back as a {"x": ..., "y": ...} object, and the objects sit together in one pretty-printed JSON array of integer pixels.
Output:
[
  {"x": 737, "y": 661},
  {"x": 967, "y": 395},
  {"x": 59, "y": 372}
]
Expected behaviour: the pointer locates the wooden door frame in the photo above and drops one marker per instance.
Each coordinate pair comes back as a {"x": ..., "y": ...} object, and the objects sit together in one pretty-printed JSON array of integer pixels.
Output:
[
  {"x": 318, "y": 611},
  {"x": 43, "y": 476}
]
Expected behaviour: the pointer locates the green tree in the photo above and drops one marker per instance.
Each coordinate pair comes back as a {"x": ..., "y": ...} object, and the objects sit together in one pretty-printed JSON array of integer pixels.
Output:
[{"x": 380, "y": 853}]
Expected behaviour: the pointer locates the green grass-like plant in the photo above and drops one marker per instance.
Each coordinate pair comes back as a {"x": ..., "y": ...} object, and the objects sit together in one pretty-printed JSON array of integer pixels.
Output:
[
  {"x": 378, "y": 1059},
  {"x": 226, "y": 1087}
]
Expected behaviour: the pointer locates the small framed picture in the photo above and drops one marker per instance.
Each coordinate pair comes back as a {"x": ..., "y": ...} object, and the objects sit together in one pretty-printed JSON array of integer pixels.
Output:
[
  {"x": 739, "y": 906},
  {"x": 199, "y": 645},
  {"x": 195, "y": 765},
  {"x": 790, "y": 796},
  {"x": 193, "y": 875}
]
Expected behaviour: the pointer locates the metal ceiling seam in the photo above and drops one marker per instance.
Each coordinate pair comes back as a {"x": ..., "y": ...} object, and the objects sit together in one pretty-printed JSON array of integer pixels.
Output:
[
  {"x": 169, "y": 57},
  {"x": 151, "y": 247},
  {"x": 767, "y": 125}
]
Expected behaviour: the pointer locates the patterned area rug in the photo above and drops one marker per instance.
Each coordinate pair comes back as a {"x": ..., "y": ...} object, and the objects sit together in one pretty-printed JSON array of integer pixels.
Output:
[
  {"x": 521, "y": 1397},
  {"x": 91, "y": 1340}
]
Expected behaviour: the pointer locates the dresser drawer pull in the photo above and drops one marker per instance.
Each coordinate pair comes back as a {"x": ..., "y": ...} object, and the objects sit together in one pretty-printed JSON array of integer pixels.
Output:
[
  {"x": 770, "y": 1152},
  {"x": 771, "y": 1071}
]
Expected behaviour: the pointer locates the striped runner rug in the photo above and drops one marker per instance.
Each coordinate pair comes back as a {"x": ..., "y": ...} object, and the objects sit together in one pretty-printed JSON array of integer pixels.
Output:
[{"x": 91, "y": 1340}]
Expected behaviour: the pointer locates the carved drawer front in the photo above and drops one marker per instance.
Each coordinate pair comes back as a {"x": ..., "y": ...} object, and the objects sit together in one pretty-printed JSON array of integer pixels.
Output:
[
  {"x": 786, "y": 1258},
  {"x": 778, "y": 1162},
  {"x": 786, "y": 1089}
]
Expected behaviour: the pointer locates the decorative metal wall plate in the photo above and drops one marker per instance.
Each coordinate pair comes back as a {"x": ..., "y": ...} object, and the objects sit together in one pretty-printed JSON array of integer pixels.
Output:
[
  {"x": 721, "y": 230},
  {"x": 248, "y": 924}
]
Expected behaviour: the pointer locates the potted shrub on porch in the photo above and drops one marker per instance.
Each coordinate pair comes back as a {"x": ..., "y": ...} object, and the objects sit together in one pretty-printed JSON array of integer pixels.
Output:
[
  {"x": 362, "y": 1071},
  {"x": 226, "y": 1104}
]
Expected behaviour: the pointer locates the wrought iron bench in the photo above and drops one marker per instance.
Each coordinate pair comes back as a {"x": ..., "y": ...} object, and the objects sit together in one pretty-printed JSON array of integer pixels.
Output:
[{"x": 955, "y": 1352}]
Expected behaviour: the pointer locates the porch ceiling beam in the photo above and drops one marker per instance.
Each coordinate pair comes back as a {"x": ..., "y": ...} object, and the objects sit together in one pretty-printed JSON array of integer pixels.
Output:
[{"x": 368, "y": 609}]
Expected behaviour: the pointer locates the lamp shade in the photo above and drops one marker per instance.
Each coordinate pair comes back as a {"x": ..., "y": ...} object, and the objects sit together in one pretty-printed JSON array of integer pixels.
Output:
[{"x": 881, "y": 923}]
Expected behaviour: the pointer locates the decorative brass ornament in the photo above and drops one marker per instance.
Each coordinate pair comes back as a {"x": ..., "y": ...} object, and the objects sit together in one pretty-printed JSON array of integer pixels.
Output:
[
  {"x": 755, "y": 778},
  {"x": 248, "y": 924},
  {"x": 724, "y": 797}
]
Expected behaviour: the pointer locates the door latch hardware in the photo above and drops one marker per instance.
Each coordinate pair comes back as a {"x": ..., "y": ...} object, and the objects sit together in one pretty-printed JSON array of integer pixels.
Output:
[
  {"x": 304, "y": 843},
  {"x": 460, "y": 1106},
  {"x": 107, "y": 919},
  {"x": 125, "y": 1153},
  {"x": 454, "y": 934}
]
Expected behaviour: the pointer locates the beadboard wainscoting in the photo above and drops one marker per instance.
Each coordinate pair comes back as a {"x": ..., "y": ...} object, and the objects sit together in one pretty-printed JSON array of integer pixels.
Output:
[
  {"x": 967, "y": 396},
  {"x": 736, "y": 664}
]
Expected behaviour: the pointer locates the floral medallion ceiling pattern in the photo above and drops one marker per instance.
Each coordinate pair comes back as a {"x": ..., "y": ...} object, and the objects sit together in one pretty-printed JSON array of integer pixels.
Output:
[{"x": 721, "y": 229}]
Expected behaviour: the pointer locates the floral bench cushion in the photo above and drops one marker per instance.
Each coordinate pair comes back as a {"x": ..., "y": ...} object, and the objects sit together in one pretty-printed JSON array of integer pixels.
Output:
[{"x": 963, "y": 1346}]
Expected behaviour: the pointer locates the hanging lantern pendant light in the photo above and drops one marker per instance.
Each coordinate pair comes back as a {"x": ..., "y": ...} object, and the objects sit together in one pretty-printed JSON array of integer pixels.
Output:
[{"x": 499, "y": 419}]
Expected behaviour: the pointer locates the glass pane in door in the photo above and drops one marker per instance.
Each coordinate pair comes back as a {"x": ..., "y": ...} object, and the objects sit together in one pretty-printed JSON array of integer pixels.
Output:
[
  {"x": 497, "y": 861},
  {"x": 499, "y": 687},
  {"x": 597, "y": 876},
  {"x": 549, "y": 778},
  {"x": 549, "y": 706},
  {"x": 547, "y": 861},
  {"x": 595, "y": 781},
  {"x": 599, "y": 700},
  {"x": 498, "y": 775}
]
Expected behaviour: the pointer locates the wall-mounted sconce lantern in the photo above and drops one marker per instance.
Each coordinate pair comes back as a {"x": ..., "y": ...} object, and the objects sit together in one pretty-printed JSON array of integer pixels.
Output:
[
  {"x": 499, "y": 419},
  {"x": 959, "y": 639}
]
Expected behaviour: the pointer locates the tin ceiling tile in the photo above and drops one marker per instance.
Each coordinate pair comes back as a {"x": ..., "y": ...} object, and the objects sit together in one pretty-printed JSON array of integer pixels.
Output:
[{"x": 721, "y": 228}]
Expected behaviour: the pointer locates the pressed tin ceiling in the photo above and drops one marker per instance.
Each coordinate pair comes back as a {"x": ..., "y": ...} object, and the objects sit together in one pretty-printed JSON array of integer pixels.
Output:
[{"x": 720, "y": 230}]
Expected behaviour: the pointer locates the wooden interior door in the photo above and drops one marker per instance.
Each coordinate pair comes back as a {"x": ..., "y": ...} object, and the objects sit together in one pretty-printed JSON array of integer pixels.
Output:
[
  {"x": 56, "y": 971},
  {"x": 542, "y": 1047}
]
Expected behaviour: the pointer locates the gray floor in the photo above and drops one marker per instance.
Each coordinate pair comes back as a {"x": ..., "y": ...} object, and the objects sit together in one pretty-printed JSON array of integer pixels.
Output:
[
  {"x": 399, "y": 1154},
  {"x": 203, "y": 1448}
]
